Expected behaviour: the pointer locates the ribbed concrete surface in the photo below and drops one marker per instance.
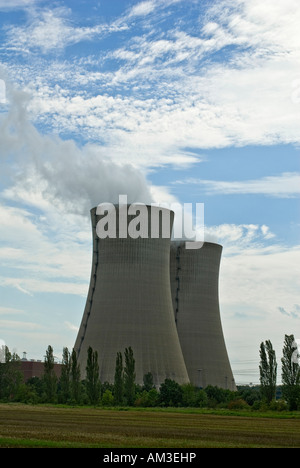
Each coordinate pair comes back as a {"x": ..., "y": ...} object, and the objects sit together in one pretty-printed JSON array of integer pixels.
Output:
[
  {"x": 194, "y": 283},
  {"x": 129, "y": 304}
]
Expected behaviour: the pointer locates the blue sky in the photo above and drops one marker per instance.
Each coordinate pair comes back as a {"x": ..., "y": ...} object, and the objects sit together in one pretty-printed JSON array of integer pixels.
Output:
[{"x": 165, "y": 100}]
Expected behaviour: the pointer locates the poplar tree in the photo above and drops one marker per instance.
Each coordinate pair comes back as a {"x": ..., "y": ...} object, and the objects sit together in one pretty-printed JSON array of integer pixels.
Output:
[
  {"x": 75, "y": 377},
  {"x": 65, "y": 375},
  {"x": 129, "y": 376},
  {"x": 50, "y": 378},
  {"x": 10, "y": 375},
  {"x": 268, "y": 371},
  {"x": 119, "y": 381},
  {"x": 92, "y": 377},
  {"x": 148, "y": 382},
  {"x": 291, "y": 372}
]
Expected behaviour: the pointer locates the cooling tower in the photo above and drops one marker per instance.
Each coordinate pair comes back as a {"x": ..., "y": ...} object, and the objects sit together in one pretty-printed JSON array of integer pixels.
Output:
[
  {"x": 129, "y": 304},
  {"x": 194, "y": 278}
]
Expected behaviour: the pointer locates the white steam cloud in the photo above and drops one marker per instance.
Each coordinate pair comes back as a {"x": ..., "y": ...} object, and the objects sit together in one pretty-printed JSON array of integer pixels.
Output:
[{"x": 45, "y": 169}]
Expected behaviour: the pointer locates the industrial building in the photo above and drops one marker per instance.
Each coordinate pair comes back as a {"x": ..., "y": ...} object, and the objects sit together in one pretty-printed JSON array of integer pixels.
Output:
[
  {"x": 31, "y": 368},
  {"x": 194, "y": 276},
  {"x": 158, "y": 298},
  {"x": 129, "y": 304}
]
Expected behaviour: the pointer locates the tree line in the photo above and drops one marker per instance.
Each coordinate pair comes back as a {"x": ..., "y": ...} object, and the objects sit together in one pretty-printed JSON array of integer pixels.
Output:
[{"x": 71, "y": 389}]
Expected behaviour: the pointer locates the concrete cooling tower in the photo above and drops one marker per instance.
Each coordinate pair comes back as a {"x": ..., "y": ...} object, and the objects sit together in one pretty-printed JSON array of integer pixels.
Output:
[
  {"x": 194, "y": 278},
  {"x": 129, "y": 304}
]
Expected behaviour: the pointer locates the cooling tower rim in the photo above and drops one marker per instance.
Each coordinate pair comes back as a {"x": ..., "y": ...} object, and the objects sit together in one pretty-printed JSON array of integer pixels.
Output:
[
  {"x": 180, "y": 243},
  {"x": 157, "y": 208}
]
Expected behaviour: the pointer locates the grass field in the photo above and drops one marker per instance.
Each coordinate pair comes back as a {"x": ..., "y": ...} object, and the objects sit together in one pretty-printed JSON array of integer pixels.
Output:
[{"x": 51, "y": 426}]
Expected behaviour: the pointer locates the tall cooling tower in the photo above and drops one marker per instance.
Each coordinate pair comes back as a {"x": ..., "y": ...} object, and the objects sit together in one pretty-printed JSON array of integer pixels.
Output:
[
  {"x": 129, "y": 304},
  {"x": 194, "y": 283}
]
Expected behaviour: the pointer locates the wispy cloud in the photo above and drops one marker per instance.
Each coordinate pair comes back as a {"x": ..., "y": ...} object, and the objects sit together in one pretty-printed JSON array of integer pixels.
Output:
[
  {"x": 237, "y": 238},
  {"x": 54, "y": 266},
  {"x": 167, "y": 84},
  {"x": 142, "y": 8},
  {"x": 37, "y": 285},
  {"x": 293, "y": 313},
  {"x": 263, "y": 277},
  {"x": 52, "y": 30},
  {"x": 11, "y": 311},
  {"x": 16, "y": 4},
  {"x": 286, "y": 185},
  {"x": 71, "y": 326},
  {"x": 20, "y": 325}
]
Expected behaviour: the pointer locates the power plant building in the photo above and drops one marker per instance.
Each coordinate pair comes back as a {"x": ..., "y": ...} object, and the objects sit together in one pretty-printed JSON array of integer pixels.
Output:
[
  {"x": 194, "y": 275},
  {"x": 157, "y": 297},
  {"x": 129, "y": 304}
]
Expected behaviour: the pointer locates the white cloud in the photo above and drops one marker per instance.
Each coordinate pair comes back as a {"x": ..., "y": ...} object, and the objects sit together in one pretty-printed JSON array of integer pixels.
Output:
[
  {"x": 285, "y": 185},
  {"x": 52, "y": 30},
  {"x": 294, "y": 312},
  {"x": 166, "y": 92},
  {"x": 239, "y": 238},
  {"x": 266, "y": 232},
  {"x": 28, "y": 326},
  {"x": 16, "y": 4},
  {"x": 260, "y": 281},
  {"x": 142, "y": 8},
  {"x": 142, "y": 132},
  {"x": 38, "y": 285},
  {"x": 259, "y": 293},
  {"x": 52, "y": 171},
  {"x": 11, "y": 311},
  {"x": 60, "y": 263},
  {"x": 146, "y": 7},
  {"x": 71, "y": 326}
]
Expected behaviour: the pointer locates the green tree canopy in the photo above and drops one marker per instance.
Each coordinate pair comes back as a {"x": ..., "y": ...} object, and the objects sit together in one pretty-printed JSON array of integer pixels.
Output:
[
  {"x": 268, "y": 371},
  {"x": 119, "y": 380},
  {"x": 290, "y": 372},
  {"x": 92, "y": 377},
  {"x": 129, "y": 376},
  {"x": 50, "y": 377}
]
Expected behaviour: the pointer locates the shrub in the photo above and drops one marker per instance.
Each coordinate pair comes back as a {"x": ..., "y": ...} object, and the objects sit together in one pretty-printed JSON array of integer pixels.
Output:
[
  {"x": 201, "y": 399},
  {"x": 107, "y": 398},
  {"x": 153, "y": 398},
  {"x": 170, "y": 393},
  {"x": 27, "y": 394},
  {"x": 238, "y": 404},
  {"x": 189, "y": 395},
  {"x": 257, "y": 405},
  {"x": 278, "y": 405},
  {"x": 148, "y": 399},
  {"x": 219, "y": 396}
]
